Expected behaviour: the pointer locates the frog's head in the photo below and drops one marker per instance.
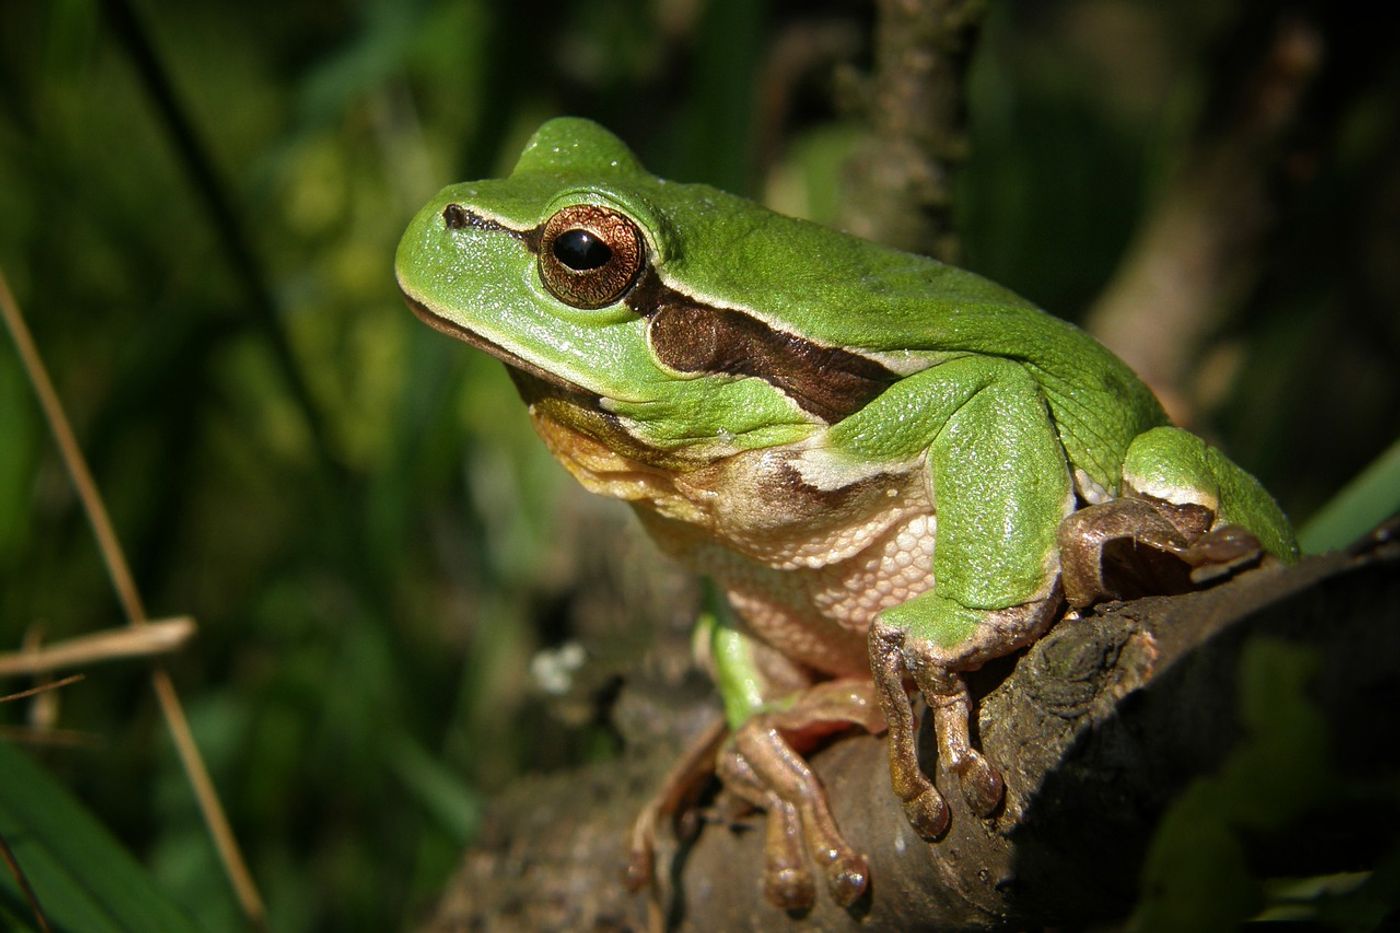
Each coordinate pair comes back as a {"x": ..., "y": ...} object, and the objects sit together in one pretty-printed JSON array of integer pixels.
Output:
[{"x": 593, "y": 281}]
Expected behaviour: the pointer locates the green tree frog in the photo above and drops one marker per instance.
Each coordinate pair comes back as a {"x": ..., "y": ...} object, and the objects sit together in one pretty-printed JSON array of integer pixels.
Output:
[{"x": 892, "y": 469}]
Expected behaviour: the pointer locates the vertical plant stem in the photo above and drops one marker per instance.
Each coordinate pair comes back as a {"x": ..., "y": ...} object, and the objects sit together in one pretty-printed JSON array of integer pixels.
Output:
[
  {"x": 224, "y": 219},
  {"x": 901, "y": 180},
  {"x": 8, "y": 857},
  {"x": 130, "y": 598}
]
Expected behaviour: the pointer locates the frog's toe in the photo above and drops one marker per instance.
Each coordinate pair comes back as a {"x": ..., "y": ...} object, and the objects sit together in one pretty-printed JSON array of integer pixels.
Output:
[
  {"x": 637, "y": 873},
  {"x": 928, "y": 813},
  {"x": 847, "y": 878},
  {"x": 1221, "y": 551},
  {"x": 982, "y": 784},
  {"x": 787, "y": 883},
  {"x": 761, "y": 766},
  {"x": 789, "y": 887}
]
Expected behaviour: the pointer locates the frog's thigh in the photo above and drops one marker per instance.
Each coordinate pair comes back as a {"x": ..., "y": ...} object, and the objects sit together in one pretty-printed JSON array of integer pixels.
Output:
[
  {"x": 1001, "y": 488},
  {"x": 1173, "y": 465},
  {"x": 1177, "y": 466}
]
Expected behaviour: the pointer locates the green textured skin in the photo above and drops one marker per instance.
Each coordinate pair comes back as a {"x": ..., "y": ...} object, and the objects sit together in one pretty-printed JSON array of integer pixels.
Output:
[
  {"x": 1178, "y": 466},
  {"x": 983, "y": 421},
  {"x": 737, "y": 678},
  {"x": 799, "y": 277},
  {"x": 1004, "y": 401}
]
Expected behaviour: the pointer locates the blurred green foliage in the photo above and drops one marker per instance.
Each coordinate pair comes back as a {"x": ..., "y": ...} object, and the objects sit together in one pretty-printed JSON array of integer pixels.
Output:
[
  {"x": 88, "y": 881},
  {"x": 373, "y": 564}
]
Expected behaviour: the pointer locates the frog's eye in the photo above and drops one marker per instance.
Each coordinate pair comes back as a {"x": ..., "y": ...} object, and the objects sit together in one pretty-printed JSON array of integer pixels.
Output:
[{"x": 590, "y": 255}]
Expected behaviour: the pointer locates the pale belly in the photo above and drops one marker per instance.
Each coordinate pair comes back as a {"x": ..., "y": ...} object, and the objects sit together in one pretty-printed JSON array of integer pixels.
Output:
[
  {"x": 817, "y": 616},
  {"x": 808, "y": 546}
]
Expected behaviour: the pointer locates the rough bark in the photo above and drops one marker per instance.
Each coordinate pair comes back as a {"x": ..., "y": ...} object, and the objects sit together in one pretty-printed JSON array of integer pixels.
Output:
[
  {"x": 1098, "y": 727},
  {"x": 900, "y": 182}
]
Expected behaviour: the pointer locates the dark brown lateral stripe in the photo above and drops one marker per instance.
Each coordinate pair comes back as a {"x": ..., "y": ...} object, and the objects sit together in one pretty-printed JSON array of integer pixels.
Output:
[
  {"x": 692, "y": 337},
  {"x": 826, "y": 381}
]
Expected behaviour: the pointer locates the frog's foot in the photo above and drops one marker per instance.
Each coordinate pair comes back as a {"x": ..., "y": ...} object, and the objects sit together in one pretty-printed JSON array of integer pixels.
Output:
[
  {"x": 1139, "y": 546},
  {"x": 902, "y": 649},
  {"x": 762, "y": 765},
  {"x": 1221, "y": 551}
]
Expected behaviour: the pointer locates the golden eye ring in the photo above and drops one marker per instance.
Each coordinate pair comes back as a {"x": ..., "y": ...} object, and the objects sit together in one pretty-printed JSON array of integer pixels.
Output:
[{"x": 590, "y": 255}]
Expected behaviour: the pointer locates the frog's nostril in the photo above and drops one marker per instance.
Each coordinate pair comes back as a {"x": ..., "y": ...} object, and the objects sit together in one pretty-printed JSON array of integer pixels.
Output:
[{"x": 455, "y": 216}]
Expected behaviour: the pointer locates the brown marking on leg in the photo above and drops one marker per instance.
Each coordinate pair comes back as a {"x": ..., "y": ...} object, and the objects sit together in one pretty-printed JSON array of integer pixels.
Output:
[
  {"x": 1220, "y": 552},
  {"x": 1087, "y": 541},
  {"x": 791, "y": 781},
  {"x": 935, "y": 671},
  {"x": 1137, "y": 546},
  {"x": 951, "y": 704},
  {"x": 831, "y": 706},
  {"x": 924, "y": 806},
  {"x": 787, "y": 882}
]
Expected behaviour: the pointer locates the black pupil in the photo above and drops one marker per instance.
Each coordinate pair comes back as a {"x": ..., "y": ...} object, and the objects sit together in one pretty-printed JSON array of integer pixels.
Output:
[{"x": 581, "y": 250}]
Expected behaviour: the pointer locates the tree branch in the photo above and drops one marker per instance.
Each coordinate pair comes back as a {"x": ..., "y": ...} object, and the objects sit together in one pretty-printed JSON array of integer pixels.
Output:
[
  {"x": 900, "y": 181},
  {"x": 1099, "y": 726}
]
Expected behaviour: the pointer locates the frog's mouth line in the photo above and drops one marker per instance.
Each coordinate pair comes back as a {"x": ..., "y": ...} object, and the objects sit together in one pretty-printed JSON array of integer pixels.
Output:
[
  {"x": 527, "y": 373},
  {"x": 539, "y": 386}
]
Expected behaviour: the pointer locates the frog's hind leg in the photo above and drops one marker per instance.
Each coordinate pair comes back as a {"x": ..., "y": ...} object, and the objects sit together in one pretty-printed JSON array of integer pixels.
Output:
[
  {"x": 1132, "y": 547},
  {"x": 764, "y": 766},
  {"x": 1187, "y": 516},
  {"x": 1170, "y": 465}
]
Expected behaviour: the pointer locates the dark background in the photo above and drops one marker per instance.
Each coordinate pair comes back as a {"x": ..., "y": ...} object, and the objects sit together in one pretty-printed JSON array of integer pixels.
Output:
[{"x": 199, "y": 205}]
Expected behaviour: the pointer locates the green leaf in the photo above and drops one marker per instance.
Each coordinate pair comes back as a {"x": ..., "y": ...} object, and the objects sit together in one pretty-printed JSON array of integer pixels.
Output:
[
  {"x": 83, "y": 878},
  {"x": 439, "y": 789},
  {"x": 1361, "y": 505}
]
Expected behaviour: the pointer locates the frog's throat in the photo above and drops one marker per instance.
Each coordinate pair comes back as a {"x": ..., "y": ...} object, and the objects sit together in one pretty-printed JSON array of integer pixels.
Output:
[
  {"x": 568, "y": 419},
  {"x": 608, "y": 461}
]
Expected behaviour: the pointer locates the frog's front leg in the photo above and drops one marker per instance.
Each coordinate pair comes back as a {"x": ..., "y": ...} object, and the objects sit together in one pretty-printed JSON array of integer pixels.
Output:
[
  {"x": 902, "y": 649},
  {"x": 776, "y": 715},
  {"x": 1002, "y": 486}
]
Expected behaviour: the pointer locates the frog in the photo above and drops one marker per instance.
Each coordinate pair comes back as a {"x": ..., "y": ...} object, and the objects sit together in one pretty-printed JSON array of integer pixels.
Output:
[{"x": 892, "y": 470}]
